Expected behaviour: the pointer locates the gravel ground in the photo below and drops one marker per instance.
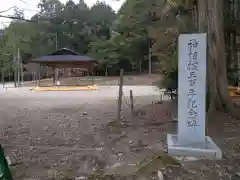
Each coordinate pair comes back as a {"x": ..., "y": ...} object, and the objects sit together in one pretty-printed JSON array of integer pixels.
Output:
[
  {"x": 72, "y": 133},
  {"x": 64, "y": 135}
]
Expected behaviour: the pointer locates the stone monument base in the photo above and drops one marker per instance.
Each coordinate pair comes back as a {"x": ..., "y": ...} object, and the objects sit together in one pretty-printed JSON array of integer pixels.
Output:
[{"x": 207, "y": 150}]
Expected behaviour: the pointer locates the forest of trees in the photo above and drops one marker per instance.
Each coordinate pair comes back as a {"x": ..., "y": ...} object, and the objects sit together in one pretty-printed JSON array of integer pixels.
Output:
[
  {"x": 98, "y": 32},
  {"x": 71, "y": 25},
  {"x": 140, "y": 34},
  {"x": 126, "y": 39}
]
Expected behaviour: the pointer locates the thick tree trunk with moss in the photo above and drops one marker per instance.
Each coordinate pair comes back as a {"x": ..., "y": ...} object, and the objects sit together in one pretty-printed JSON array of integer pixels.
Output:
[
  {"x": 211, "y": 21},
  {"x": 217, "y": 72}
]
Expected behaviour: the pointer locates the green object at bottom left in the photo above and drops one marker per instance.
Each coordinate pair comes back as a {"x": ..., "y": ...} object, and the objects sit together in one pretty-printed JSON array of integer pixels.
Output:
[{"x": 5, "y": 173}]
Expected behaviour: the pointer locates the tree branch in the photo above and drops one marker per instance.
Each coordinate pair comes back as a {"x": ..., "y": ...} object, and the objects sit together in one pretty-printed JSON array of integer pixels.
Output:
[
  {"x": 8, "y": 9},
  {"x": 17, "y": 18}
]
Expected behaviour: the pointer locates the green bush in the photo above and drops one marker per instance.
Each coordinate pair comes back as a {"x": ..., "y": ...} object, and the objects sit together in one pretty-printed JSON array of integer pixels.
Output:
[
  {"x": 233, "y": 76},
  {"x": 170, "y": 82},
  {"x": 170, "y": 75}
]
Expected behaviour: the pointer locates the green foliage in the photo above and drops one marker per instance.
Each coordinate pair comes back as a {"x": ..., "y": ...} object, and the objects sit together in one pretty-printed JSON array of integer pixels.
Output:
[
  {"x": 170, "y": 75},
  {"x": 117, "y": 40},
  {"x": 71, "y": 25},
  {"x": 233, "y": 76}
]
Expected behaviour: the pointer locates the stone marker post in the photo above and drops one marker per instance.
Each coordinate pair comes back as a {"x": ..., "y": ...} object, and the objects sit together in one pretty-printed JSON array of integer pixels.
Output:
[
  {"x": 191, "y": 139},
  {"x": 192, "y": 88}
]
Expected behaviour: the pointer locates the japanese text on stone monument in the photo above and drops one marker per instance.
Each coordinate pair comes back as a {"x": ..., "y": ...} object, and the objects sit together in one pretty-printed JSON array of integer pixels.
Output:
[{"x": 192, "y": 69}]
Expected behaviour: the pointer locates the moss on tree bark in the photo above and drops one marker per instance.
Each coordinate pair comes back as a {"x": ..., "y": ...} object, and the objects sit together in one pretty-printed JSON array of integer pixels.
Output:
[{"x": 210, "y": 18}]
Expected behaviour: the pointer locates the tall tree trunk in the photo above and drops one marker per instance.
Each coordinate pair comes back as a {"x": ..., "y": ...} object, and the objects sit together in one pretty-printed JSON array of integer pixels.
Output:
[
  {"x": 236, "y": 8},
  {"x": 228, "y": 35},
  {"x": 211, "y": 21}
]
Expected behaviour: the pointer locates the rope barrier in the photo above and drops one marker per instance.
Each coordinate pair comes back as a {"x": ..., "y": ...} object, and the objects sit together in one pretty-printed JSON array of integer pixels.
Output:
[{"x": 140, "y": 109}]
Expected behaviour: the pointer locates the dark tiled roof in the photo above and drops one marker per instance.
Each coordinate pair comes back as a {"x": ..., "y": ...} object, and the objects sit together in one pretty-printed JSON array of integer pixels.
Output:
[
  {"x": 63, "y": 55},
  {"x": 63, "y": 58}
]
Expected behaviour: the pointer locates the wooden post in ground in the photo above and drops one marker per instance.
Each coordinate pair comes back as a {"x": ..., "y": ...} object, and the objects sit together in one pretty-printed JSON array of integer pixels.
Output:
[
  {"x": 54, "y": 76},
  {"x": 22, "y": 73},
  {"x": 120, "y": 93},
  {"x": 3, "y": 77},
  {"x": 14, "y": 61},
  {"x": 18, "y": 67},
  {"x": 39, "y": 75},
  {"x": 9, "y": 76},
  {"x": 132, "y": 104},
  {"x": 150, "y": 59},
  {"x": 35, "y": 77},
  {"x": 15, "y": 72},
  {"x": 92, "y": 77},
  {"x": 153, "y": 111}
]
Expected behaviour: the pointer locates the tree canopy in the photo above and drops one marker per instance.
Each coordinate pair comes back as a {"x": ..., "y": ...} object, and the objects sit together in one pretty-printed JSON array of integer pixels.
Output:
[
  {"x": 71, "y": 25},
  {"x": 116, "y": 40}
]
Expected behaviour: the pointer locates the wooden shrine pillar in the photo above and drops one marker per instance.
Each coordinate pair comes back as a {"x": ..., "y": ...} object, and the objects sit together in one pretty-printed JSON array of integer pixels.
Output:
[
  {"x": 39, "y": 75},
  {"x": 54, "y": 75}
]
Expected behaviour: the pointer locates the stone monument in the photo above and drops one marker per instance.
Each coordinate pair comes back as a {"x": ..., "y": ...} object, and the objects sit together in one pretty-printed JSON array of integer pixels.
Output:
[{"x": 191, "y": 139}]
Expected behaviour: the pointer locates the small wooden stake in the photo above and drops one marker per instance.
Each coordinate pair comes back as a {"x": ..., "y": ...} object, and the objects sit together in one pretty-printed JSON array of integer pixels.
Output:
[
  {"x": 39, "y": 75},
  {"x": 120, "y": 93},
  {"x": 132, "y": 105}
]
